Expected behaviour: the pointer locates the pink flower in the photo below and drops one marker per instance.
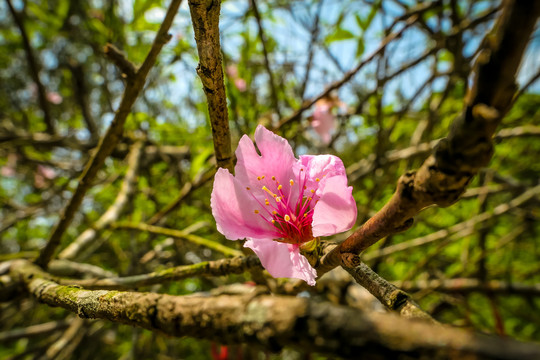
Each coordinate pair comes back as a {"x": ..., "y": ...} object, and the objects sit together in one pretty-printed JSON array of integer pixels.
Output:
[
  {"x": 42, "y": 174},
  {"x": 54, "y": 97},
  {"x": 323, "y": 120},
  {"x": 240, "y": 84},
  {"x": 8, "y": 170},
  {"x": 278, "y": 202},
  {"x": 232, "y": 71}
]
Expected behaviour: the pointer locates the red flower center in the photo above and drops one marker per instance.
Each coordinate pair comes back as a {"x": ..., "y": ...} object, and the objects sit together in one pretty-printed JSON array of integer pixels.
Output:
[{"x": 291, "y": 217}]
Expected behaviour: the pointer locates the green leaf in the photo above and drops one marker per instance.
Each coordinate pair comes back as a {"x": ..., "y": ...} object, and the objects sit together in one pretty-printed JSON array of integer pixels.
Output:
[{"x": 339, "y": 35}]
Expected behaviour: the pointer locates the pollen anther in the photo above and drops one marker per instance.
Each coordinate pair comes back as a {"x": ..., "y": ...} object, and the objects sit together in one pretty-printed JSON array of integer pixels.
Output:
[
  {"x": 280, "y": 187},
  {"x": 256, "y": 211},
  {"x": 291, "y": 182},
  {"x": 287, "y": 217},
  {"x": 317, "y": 179}
]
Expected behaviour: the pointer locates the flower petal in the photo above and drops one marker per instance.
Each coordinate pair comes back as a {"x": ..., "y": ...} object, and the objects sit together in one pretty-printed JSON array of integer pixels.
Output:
[
  {"x": 321, "y": 167},
  {"x": 233, "y": 208},
  {"x": 276, "y": 159},
  {"x": 282, "y": 260},
  {"x": 335, "y": 211}
]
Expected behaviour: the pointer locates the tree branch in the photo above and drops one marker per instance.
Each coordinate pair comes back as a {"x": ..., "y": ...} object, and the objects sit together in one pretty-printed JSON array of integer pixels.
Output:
[
  {"x": 262, "y": 36},
  {"x": 465, "y": 286},
  {"x": 34, "y": 70},
  {"x": 213, "y": 245},
  {"x": 114, "y": 211},
  {"x": 223, "y": 267},
  {"x": 444, "y": 176},
  {"x": 348, "y": 76},
  {"x": 273, "y": 322},
  {"x": 110, "y": 139},
  {"x": 205, "y": 18}
]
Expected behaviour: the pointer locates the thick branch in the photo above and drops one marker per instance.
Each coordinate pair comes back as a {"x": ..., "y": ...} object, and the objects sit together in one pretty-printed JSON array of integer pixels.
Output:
[
  {"x": 366, "y": 166},
  {"x": 110, "y": 139},
  {"x": 205, "y": 18},
  {"x": 389, "y": 295},
  {"x": 466, "y": 226},
  {"x": 274, "y": 322},
  {"x": 444, "y": 176}
]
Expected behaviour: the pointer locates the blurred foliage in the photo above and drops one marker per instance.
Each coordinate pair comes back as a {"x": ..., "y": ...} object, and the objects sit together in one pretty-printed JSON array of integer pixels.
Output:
[{"x": 310, "y": 45}]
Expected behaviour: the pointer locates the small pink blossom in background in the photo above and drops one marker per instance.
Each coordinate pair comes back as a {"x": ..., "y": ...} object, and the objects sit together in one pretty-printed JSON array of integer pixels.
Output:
[
  {"x": 42, "y": 174},
  {"x": 239, "y": 83},
  {"x": 232, "y": 71},
  {"x": 54, "y": 97},
  {"x": 8, "y": 170},
  {"x": 323, "y": 120},
  {"x": 278, "y": 202}
]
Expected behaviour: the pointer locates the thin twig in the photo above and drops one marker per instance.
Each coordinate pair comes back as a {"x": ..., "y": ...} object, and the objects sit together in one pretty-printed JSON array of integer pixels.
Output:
[
  {"x": 127, "y": 68},
  {"x": 466, "y": 286},
  {"x": 34, "y": 70},
  {"x": 114, "y": 211},
  {"x": 348, "y": 76},
  {"x": 213, "y": 245},
  {"x": 270, "y": 73},
  {"x": 33, "y": 330},
  {"x": 223, "y": 267}
]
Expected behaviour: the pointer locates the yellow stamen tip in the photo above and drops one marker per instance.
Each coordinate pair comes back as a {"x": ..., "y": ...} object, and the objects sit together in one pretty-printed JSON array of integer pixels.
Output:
[
  {"x": 312, "y": 191},
  {"x": 287, "y": 217},
  {"x": 273, "y": 221},
  {"x": 280, "y": 187},
  {"x": 274, "y": 212},
  {"x": 291, "y": 182},
  {"x": 278, "y": 199},
  {"x": 317, "y": 179},
  {"x": 258, "y": 178},
  {"x": 262, "y": 177},
  {"x": 256, "y": 211},
  {"x": 248, "y": 188},
  {"x": 274, "y": 178}
]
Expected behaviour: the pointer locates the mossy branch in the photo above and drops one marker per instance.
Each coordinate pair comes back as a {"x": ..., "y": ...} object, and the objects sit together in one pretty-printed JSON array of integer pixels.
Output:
[{"x": 273, "y": 322}]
